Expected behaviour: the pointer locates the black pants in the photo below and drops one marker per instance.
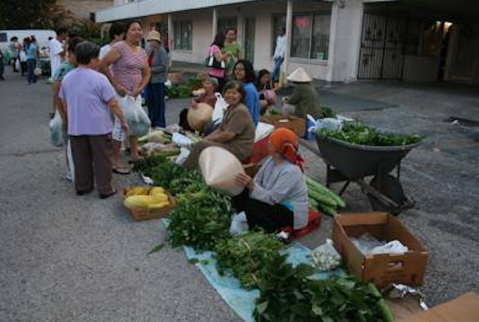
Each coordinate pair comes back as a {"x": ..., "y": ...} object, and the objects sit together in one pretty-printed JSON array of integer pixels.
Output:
[
  {"x": 184, "y": 120},
  {"x": 260, "y": 214}
]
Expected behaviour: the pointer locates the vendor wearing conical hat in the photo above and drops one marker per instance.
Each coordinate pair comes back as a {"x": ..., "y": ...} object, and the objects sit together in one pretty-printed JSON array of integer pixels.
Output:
[{"x": 304, "y": 98}]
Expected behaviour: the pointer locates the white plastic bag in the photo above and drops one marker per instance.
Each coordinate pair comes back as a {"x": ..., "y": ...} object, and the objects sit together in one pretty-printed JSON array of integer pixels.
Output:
[
  {"x": 393, "y": 247},
  {"x": 219, "y": 110},
  {"x": 219, "y": 168},
  {"x": 56, "y": 131},
  {"x": 181, "y": 140},
  {"x": 239, "y": 224},
  {"x": 262, "y": 131},
  {"x": 17, "y": 64},
  {"x": 325, "y": 257},
  {"x": 136, "y": 117}
]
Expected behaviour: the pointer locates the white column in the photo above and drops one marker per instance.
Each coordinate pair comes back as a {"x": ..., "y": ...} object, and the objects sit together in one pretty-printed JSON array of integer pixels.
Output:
[
  {"x": 171, "y": 32},
  {"x": 289, "y": 30},
  {"x": 333, "y": 33},
  {"x": 215, "y": 23},
  {"x": 240, "y": 30}
]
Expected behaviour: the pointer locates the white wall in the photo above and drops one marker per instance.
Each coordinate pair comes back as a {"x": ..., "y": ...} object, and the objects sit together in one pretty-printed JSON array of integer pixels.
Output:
[{"x": 202, "y": 35}]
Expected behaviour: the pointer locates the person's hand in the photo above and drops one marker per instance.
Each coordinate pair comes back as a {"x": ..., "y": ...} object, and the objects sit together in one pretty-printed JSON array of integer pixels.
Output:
[
  {"x": 136, "y": 92},
  {"x": 244, "y": 180},
  {"x": 125, "y": 127},
  {"x": 285, "y": 99},
  {"x": 194, "y": 104},
  {"x": 121, "y": 91}
]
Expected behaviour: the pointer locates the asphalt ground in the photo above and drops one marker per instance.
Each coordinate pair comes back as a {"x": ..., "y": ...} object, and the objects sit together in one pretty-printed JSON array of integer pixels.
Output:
[{"x": 70, "y": 258}]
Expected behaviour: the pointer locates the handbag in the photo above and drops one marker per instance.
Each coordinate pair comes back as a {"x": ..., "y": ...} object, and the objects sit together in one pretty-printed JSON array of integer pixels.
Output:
[
  {"x": 37, "y": 71},
  {"x": 212, "y": 62}
]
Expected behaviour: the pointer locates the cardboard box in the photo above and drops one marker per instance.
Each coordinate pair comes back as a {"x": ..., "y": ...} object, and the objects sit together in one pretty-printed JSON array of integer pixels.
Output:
[
  {"x": 295, "y": 124},
  {"x": 383, "y": 269},
  {"x": 463, "y": 309}
]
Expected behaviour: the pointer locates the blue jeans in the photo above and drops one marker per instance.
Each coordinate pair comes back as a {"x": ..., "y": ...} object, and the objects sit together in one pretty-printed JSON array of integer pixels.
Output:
[
  {"x": 31, "y": 64},
  {"x": 277, "y": 68},
  {"x": 156, "y": 104}
]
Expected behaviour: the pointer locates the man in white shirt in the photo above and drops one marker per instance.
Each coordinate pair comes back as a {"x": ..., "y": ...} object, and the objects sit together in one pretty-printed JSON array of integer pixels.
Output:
[
  {"x": 279, "y": 54},
  {"x": 57, "y": 50}
]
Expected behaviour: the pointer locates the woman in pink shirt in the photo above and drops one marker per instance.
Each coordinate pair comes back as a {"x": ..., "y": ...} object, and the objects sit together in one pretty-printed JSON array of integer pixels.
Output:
[
  {"x": 215, "y": 50},
  {"x": 130, "y": 74}
]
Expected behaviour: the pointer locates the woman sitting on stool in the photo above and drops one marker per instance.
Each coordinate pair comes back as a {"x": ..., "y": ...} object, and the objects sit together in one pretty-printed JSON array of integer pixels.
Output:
[
  {"x": 235, "y": 132},
  {"x": 277, "y": 197}
]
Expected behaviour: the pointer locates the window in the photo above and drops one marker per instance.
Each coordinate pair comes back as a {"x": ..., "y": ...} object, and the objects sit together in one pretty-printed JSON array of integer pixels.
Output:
[
  {"x": 279, "y": 22},
  {"x": 227, "y": 22},
  {"x": 183, "y": 31},
  {"x": 311, "y": 36}
]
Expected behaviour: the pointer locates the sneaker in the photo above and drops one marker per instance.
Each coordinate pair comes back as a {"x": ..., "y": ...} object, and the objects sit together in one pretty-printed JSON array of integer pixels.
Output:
[{"x": 69, "y": 177}]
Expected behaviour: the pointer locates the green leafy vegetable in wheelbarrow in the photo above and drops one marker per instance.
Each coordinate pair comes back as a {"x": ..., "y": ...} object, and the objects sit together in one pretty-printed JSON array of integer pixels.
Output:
[{"x": 357, "y": 133}]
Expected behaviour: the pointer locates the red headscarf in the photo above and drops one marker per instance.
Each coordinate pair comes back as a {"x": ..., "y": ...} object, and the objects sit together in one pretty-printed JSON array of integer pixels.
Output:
[{"x": 285, "y": 142}]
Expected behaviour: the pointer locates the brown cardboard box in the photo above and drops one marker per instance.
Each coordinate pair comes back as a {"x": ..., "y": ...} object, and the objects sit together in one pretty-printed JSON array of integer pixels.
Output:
[
  {"x": 295, "y": 124},
  {"x": 384, "y": 269},
  {"x": 463, "y": 309}
]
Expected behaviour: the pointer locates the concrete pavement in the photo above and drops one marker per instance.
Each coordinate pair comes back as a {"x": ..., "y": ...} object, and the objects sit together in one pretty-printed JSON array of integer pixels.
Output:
[{"x": 69, "y": 258}]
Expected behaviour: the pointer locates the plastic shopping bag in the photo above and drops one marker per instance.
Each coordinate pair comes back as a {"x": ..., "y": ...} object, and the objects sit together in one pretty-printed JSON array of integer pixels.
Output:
[
  {"x": 239, "y": 224},
  {"x": 56, "y": 131},
  {"x": 17, "y": 64},
  {"x": 325, "y": 257},
  {"x": 219, "y": 110},
  {"x": 136, "y": 117}
]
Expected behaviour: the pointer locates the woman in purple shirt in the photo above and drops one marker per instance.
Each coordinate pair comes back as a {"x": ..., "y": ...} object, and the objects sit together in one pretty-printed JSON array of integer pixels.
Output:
[{"x": 87, "y": 98}]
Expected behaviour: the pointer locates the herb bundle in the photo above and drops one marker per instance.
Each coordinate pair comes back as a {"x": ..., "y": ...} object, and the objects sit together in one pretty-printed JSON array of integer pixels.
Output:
[{"x": 246, "y": 255}]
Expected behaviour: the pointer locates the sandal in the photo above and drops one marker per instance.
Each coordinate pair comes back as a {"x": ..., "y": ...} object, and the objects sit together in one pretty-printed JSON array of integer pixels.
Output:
[
  {"x": 121, "y": 170},
  {"x": 104, "y": 196}
]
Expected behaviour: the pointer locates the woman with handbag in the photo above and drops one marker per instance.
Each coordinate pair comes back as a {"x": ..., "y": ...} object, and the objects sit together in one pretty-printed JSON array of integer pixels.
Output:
[
  {"x": 216, "y": 61},
  {"x": 129, "y": 75}
]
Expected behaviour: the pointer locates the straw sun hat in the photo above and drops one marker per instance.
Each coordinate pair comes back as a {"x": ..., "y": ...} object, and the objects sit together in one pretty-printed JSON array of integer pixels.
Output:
[
  {"x": 154, "y": 35},
  {"x": 300, "y": 76}
]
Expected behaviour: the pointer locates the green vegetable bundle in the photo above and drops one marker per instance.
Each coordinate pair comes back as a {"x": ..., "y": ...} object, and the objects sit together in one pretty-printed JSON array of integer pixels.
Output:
[
  {"x": 321, "y": 198},
  {"x": 148, "y": 164},
  {"x": 200, "y": 222},
  {"x": 288, "y": 294},
  {"x": 246, "y": 255},
  {"x": 357, "y": 133}
]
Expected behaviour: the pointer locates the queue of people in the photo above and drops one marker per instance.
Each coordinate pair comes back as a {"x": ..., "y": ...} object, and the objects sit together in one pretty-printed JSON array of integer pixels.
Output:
[{"x": 92, "y": 83}]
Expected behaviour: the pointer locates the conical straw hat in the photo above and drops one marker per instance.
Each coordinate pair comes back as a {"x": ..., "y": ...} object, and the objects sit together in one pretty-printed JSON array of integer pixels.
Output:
[{"x": 300, "y": 76}]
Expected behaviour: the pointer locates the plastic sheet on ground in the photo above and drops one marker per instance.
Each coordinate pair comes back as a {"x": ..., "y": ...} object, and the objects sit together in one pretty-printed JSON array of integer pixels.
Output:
[{"x": 239, "y": 299}]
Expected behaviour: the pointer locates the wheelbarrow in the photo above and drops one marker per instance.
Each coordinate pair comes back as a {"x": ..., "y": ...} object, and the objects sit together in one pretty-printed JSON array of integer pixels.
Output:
[{"x": 353, "y": 163}]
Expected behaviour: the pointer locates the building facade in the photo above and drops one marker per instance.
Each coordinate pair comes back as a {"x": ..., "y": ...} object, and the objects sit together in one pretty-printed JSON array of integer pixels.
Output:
[
  {"x": 334, "y": 40},
  {"x": 85, "y": 9}
]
